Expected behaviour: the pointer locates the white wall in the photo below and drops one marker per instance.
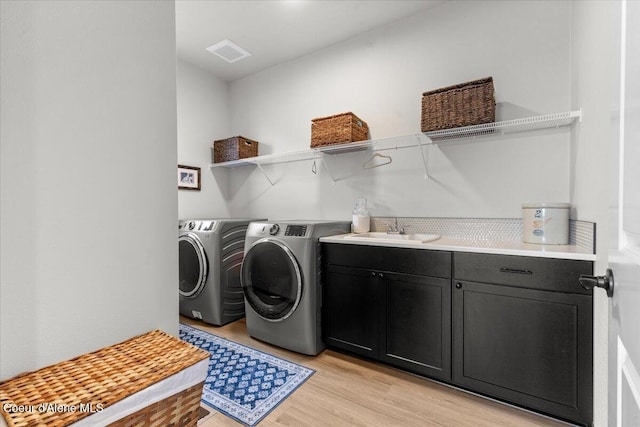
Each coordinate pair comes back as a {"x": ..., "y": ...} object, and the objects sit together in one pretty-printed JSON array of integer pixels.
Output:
[
  {"x": 203, "y": 116},
  {"x": 380, "y": 76},
  {"x": 89, "y": 199},
  {"x": 594, "y": 81}
]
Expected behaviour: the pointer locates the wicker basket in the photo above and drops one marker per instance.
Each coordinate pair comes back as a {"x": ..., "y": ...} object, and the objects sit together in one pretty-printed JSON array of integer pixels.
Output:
[
  {"x": 464, "y": 104},
  {"x": 234, "y": 148},
  {"x": 338, "y": 129},
  {"x": 180, "y": 410},
  {"x": 105, "y": 377}
]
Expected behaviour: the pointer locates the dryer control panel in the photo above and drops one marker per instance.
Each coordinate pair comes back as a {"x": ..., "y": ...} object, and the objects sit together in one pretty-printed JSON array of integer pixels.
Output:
[
  {"x": 296, "y": 230},
  {"x": 278, "y": 229}
]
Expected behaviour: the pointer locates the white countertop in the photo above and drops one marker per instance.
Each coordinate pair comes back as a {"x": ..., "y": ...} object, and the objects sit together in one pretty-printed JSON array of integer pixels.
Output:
[{"x": 505, "y": 247}]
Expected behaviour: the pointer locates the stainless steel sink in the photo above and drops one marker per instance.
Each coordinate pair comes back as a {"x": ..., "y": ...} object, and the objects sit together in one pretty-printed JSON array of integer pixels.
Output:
[{"x": 386, "y": 237}]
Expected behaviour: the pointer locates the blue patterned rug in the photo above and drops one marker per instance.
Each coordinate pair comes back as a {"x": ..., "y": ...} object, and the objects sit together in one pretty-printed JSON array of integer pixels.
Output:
[{"x": 244, "y": 383}]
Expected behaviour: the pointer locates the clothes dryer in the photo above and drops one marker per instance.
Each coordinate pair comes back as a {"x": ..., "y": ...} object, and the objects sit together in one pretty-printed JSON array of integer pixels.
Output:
[
  {"x": 210, "y": 258},
  {"x": 281, "y": 282}
]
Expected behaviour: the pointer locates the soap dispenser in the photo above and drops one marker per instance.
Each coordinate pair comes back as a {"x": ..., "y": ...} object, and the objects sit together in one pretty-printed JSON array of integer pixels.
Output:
[{"x": 361, "y": 219}]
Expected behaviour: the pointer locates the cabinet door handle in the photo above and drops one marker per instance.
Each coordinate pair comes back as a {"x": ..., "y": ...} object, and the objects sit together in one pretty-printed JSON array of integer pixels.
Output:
[
  {"x": 515, "y": 271},
  {"x": 458, "y": 285},
  {"x": 373, "y": 274},
  {"x": 380, "y": 275}
]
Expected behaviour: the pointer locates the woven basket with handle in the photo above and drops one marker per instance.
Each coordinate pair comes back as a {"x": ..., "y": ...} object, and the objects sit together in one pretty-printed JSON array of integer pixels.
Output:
[
  {"x": 338, "y": 129},
  {"x": 234, "y": 148},
  {"x": 464, "y": 104}
]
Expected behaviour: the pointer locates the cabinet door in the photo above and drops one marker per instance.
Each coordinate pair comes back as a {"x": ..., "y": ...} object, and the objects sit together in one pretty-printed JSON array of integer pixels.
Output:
[
  {"x": 417, "y": 324},
  {"x": 351, "y": 310},
  {"x": 529, "y": 347}
]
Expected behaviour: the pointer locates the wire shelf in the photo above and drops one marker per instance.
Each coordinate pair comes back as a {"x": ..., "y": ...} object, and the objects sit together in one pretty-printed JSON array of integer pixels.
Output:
[
  {"x": 416, "y": 140},
  {"x": 509, "y": 126},
  {"x": 392, "y": 143}
]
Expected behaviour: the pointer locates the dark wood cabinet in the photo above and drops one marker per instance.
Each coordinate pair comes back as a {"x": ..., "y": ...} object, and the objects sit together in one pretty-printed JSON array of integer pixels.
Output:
[
  {"x": 376, "y": 308},
  {"x": 351, "y": 304},
  {"x": 416, "y": 332},
  {"x": 519, "y": 343},
  {"x": 514, "y": 328}
]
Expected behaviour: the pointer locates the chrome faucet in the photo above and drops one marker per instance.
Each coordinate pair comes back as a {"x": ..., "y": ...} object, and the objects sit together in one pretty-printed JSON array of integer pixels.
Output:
[{"x": 393, "y": 229}]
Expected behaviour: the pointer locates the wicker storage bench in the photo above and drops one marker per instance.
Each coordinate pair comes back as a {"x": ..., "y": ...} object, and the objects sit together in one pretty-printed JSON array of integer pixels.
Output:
[
  {"x": 338, "y": 129},
  {"x": 153, "y": 379},
  {"x": 464, "y": 104}
]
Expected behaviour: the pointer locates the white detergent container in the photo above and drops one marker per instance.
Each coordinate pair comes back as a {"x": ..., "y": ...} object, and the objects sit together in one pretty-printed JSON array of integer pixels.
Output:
[
  {"x": 361, "y": 221},
  {"x": 545, "y": 223}
]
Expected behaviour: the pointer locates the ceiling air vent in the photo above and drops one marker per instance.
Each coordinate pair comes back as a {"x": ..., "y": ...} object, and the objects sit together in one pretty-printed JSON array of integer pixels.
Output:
[{"x": 229, "y": 51}]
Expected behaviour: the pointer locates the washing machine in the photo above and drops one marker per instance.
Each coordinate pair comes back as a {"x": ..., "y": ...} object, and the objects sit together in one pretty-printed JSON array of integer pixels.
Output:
[
  {"x": 210, "y": 258},
  {"x": 280, "y": 279}
]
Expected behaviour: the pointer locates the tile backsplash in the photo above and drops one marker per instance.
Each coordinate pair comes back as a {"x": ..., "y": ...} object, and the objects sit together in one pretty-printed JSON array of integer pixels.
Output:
[{"x": 581, "y": 233}]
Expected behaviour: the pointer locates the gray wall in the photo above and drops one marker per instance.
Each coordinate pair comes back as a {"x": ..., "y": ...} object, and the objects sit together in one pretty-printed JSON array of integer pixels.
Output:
[
  {"x": 203, "y": 116},
  {"x": 380, "y": 76},
  {"x": 88, "y": 154}
]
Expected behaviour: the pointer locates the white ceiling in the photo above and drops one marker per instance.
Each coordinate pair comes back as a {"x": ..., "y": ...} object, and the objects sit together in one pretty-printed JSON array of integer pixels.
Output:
[{"x": 277, "y": 31}]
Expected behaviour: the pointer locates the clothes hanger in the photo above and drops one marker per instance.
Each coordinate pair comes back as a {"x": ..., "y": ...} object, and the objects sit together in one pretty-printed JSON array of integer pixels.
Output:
[{"x": 369, "y": 164}]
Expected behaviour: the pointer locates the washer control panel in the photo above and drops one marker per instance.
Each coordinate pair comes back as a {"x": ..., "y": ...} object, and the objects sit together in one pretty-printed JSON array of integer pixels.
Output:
[{"x": 196, "y": 225}]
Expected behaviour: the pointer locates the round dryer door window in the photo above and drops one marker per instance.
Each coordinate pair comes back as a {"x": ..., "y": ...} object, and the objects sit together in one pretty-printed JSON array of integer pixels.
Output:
[
  {"x": 193, "y": 266},
  {"x": 271, "y": 280}
]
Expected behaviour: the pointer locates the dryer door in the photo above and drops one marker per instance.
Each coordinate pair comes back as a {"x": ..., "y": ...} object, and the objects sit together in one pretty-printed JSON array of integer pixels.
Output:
[
  {"x": 271, "y": 280},
  {"x": 193, "y": 265}
]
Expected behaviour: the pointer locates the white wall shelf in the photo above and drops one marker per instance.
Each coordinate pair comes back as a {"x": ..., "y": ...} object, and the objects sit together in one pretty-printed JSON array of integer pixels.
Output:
[
  {"x": 508, "y": 126},
  {"x": 419, "y": 140}
]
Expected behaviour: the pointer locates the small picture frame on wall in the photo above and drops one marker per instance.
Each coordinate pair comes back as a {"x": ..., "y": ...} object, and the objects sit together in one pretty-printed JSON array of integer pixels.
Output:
[{"x": 188, "y": 178}]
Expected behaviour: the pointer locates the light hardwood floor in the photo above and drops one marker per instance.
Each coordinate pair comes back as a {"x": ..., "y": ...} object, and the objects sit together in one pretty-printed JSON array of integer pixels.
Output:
[{"x": 348, "y": 391}]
